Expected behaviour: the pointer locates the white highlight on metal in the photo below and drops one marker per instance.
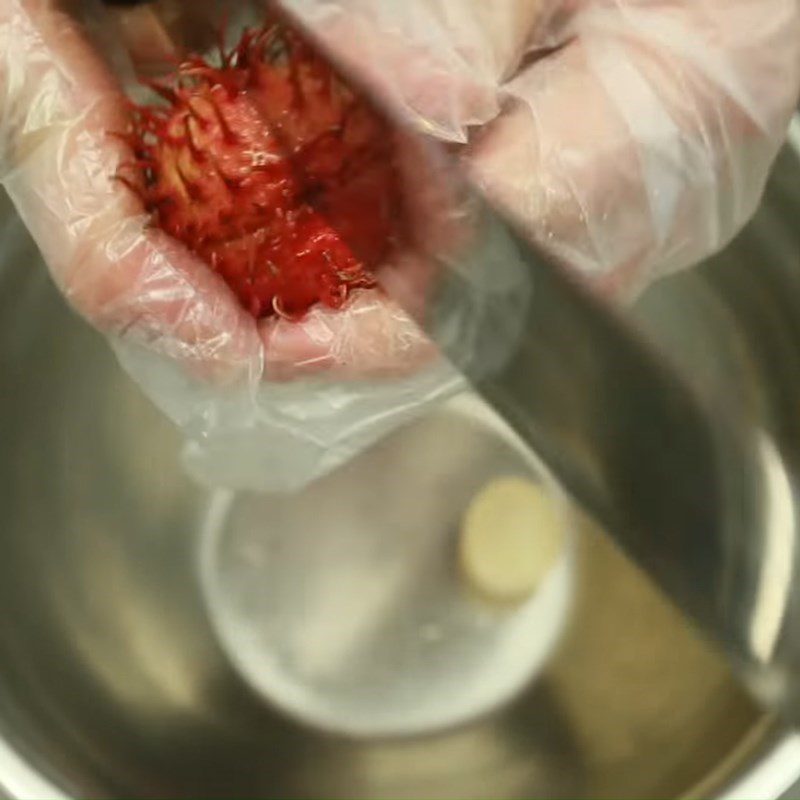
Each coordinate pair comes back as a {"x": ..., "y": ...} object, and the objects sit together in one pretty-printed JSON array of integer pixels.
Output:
[
  {"x": 794, "y": 134},
  {"x": 772, "y": 776},
  {"x": 777, "y": 565},
  {"x": 20, "y": 779}
]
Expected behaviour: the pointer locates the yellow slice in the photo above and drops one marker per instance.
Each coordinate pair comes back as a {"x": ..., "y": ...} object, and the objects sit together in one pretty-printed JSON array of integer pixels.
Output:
[{"x": 511, "y": 537}]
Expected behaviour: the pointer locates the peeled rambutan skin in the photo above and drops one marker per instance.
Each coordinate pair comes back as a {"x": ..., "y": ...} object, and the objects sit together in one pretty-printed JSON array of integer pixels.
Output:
[{"x": 272, "y": 170}]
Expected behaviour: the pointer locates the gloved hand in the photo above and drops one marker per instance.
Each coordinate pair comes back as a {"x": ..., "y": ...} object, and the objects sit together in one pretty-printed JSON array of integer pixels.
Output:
[
  {"x": 629, "y": 137},
  {"x": 60, "y": 99}
]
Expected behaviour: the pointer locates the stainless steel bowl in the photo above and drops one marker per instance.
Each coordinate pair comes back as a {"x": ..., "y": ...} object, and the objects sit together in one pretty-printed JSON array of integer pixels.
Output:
[{"x": 112, "y": 683}]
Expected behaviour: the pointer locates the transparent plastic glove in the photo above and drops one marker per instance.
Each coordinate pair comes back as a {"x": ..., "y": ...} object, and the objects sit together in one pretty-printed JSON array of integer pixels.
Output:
[
  {"x": 239, "y": 389},
  {"x": 630, "y": 138},
  {"x": 643, "y": 144},
  {"x": 58, "y": 102}
]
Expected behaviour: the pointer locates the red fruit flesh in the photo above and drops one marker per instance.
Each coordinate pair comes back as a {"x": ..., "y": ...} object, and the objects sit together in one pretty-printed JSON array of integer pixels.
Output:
[{"x": 273, "y": 171}]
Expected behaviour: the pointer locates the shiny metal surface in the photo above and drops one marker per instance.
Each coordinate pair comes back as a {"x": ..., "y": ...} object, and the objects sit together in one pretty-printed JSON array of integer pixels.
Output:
[
  {"x": 679, "y": 434},
  {"x": 112, "y": 683}
]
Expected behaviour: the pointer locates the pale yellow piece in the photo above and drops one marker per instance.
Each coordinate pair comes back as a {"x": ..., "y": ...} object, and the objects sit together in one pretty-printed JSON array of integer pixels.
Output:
[{"x": 511, "y": 537}]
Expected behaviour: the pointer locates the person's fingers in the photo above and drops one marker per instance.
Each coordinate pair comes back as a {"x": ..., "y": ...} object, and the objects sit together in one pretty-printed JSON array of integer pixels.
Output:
[
  {"x": 61, "y": 108},
  {"x": 371, "y": 337},
  {"x": 156, "y": 33},
  {"x": 644, "y": 143},
  {"x": 146, "y": 36},
  {"x": 438, "y": 61}
]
